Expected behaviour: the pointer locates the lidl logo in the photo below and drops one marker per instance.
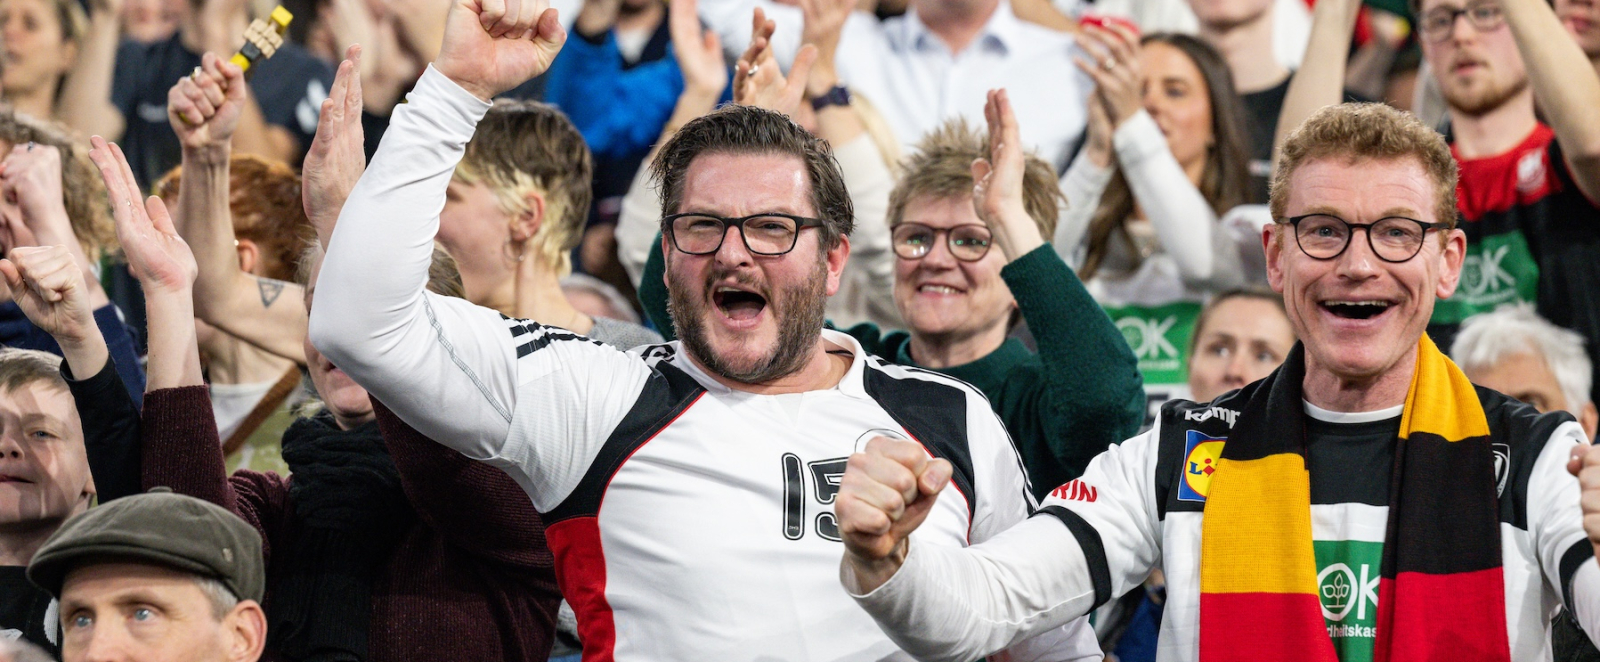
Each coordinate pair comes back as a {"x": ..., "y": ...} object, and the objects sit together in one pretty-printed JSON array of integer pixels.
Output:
[{"x": 1200, "y": 458}]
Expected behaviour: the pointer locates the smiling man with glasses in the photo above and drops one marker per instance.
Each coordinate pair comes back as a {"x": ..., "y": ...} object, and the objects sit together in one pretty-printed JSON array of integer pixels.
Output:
[
  {"x": 1365, "y": 502},
  {"x": 1530, "y": 181}
]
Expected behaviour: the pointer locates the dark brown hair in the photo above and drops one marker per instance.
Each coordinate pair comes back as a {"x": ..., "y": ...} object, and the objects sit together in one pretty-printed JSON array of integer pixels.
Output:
[
  {"x": 942, "y": 167},
  {"x": 1259, "y": 294},
  {"x": 522, "y": 147},
  {"x": 735, "y": 129},
  {"x": 264, "y": 196},
  {"x": 1226, "y": 181}
]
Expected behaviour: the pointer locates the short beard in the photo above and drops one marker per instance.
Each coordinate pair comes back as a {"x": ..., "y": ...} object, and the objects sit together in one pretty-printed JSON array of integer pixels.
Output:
[
  {"x": 1480, "y": 104},
  {"x": 799, "y": 311}
]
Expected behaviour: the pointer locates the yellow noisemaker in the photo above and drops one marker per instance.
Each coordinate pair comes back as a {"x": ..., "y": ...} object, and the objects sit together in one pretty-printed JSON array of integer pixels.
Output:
[{"x": 263, "y": 38}]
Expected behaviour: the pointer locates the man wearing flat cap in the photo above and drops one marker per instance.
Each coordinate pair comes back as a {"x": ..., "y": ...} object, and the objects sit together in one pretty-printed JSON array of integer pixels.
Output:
[{"x": 156, "y": 577}]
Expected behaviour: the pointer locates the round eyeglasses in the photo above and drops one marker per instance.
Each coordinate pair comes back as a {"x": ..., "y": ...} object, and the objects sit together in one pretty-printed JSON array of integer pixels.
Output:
[
  {"x": 968, "y": 243},
  {"x": 763, "y": 234},
  {"x": 1392, "y": 239},
  {"x": 1436, "y": 25}
]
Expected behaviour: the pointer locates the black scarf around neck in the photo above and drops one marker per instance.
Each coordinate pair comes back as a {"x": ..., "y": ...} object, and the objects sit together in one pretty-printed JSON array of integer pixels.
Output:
[{"x": 349, "y": 509}]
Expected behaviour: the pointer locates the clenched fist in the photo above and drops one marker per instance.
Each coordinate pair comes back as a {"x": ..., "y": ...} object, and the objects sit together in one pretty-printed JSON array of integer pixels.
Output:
[
  {"x": 887, "y": 491},
  {"x": 491, "y": 46}
]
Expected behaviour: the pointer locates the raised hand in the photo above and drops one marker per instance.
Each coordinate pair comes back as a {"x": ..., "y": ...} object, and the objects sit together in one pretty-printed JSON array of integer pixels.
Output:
[
  {"x": 886, "y": 493},
  {"x": 758, "y": 81},
  {"x": 204, "y": 108},
  {"x": 157, "y": 256},
  {"x": 1118, "y": 78},
  {"x": 337, "y": 156},
  {"x": 49, "y": 287},
  {"x": 824, "y": 22},
  {"x": 997, "y": 182},
  {"x": 698, "y": 51},
  {"x": 491, "y": 46},
  {"x": 30, "y": 178}
]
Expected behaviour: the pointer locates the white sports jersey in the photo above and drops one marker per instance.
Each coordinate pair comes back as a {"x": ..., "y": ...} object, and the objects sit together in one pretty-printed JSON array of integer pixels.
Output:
[
  {"x": 1131, "y": 512},
  {"x": 689, "y": 521}
]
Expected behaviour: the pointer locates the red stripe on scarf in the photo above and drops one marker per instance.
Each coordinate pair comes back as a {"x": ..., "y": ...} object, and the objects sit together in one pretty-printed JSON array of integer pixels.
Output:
[
  {"x": 1445, "y": 618},
  {"x": 1281, "y": 626}
]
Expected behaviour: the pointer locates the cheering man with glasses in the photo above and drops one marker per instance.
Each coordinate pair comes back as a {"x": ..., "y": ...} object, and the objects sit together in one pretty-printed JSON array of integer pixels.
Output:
[
  {"x": 1530, "y": 191},
  {"x": 687, "y": 489},
  {"x": 1364, "y": 502},
  {"x": 964, "y": 280}
]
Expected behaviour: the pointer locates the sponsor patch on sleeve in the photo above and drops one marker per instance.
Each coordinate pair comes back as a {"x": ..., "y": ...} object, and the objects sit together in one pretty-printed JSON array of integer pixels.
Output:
[{"x": 1200, "y": 456}]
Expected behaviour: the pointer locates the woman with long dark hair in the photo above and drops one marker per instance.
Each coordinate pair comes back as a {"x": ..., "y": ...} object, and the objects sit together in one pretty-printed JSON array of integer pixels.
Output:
[{"x": 1165, "y": 159}]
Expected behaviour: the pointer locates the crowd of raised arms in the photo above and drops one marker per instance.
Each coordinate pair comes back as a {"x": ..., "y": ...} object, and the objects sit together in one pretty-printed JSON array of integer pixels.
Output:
[{"x": 799, "y": 330}]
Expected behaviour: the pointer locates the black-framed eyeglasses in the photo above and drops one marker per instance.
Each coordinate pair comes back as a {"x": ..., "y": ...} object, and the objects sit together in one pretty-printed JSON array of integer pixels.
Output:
[
  {"x": 968, "y": 242},
  {"x": 1438, "y": 23},
  {"x": 763, "y": 234},
  {"x": 1392, "y": 239}
]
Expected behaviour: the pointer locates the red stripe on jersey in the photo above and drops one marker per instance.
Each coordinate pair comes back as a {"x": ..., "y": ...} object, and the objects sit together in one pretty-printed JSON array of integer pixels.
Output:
[
  {"x": 1446, "y": 615},
  {"x": 1521, "y": 175},
  {"x": 581, "y": 573}
]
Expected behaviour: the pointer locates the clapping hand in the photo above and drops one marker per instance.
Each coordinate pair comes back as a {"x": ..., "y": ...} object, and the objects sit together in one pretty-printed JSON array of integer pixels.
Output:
[
  {"x": 157, "y": 256},
  {"x": 997, "y": 182},
  {"x": 48, "y": 286},
  {"x": 1118, "y": 78},
  {"x": 337, "y": 156},
  {"x": 204, "y": 108},
  {"x": 491, "y": 46},
  {"x": 757, "y": 80},
  {"x": 698, "y": 51}
]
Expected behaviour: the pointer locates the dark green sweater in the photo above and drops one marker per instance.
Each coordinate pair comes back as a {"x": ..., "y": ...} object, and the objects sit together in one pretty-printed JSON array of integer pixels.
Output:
[{"x": 1063, "y": 406}]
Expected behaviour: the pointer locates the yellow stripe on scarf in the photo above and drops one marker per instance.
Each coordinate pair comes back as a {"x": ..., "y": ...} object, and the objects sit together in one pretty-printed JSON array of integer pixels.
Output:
[
  {"x": 1267, "y": 517},
  {"x": 1441, "y": 411}
]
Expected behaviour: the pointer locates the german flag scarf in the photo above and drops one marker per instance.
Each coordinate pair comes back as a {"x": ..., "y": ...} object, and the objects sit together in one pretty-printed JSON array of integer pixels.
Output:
[{"x": 1441, "y": 595}]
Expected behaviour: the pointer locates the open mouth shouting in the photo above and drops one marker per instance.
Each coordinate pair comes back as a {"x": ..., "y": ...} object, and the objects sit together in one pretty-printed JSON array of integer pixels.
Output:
[
  {"x": 741, "y": 307},
  {"x": 1356, "y": 309}
]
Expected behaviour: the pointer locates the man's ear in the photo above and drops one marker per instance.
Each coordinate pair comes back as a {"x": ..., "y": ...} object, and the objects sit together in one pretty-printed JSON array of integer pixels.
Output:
[
  {"x": 1272, "y": 245},
  {"x": 836, "y": 257},
  {"x": 1588, "y": 418},
  {"x": 525, "y": 225},
  {"x": 1454, "y": 254},
  {"x": 249, "y": 255},
  {"x": 245, "y": 626}
]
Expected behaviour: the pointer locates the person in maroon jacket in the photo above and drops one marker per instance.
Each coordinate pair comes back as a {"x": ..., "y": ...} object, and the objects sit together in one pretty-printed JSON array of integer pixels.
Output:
[{"x": 383, "y": 545}]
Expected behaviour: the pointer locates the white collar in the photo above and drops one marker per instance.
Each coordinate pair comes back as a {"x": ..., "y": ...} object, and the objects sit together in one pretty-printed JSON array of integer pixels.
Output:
[{"x": 1330, "y": 416}]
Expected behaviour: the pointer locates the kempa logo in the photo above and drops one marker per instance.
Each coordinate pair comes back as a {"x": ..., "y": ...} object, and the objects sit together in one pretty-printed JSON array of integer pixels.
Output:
[
  {"x": 1148, "y": 337},
  {"x": 1482, "y": 274},
  {"x": 1342, "y": 591}
]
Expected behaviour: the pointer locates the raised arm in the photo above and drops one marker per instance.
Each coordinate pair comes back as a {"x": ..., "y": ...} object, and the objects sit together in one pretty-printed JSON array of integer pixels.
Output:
[
  {"x": 372, "y": 318},
  {"x": 1320, "y": 81},
  {"x": 1565, "y": 86},
  {"x": 205, "y": 110},
  {"x": 337, "y": 156},
  {"x": 85, "y": 103}
]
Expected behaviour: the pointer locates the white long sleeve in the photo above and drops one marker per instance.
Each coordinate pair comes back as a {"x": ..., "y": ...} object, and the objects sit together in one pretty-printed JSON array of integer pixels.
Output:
[
  {"x": 1184, "y": 222},
  {"x": 1083, "y": 185},
  {"x": 535, "y": 401},
  {"x": 954, "y": 605}
]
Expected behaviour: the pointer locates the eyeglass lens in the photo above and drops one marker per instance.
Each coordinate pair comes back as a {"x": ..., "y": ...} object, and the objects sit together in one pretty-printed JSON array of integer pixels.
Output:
[{"x": 967, "y": 243}]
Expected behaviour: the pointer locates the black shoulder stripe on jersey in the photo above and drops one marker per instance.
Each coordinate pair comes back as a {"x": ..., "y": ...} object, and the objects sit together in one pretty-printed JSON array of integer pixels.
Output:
[
  {"x": 936, "y": 415},
  {"x": 1094, "y": 551},
  {"x": 667, "y": 394},
  {"x": 1572, "y": 560},
  {"x": 547, "y": 335}
]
